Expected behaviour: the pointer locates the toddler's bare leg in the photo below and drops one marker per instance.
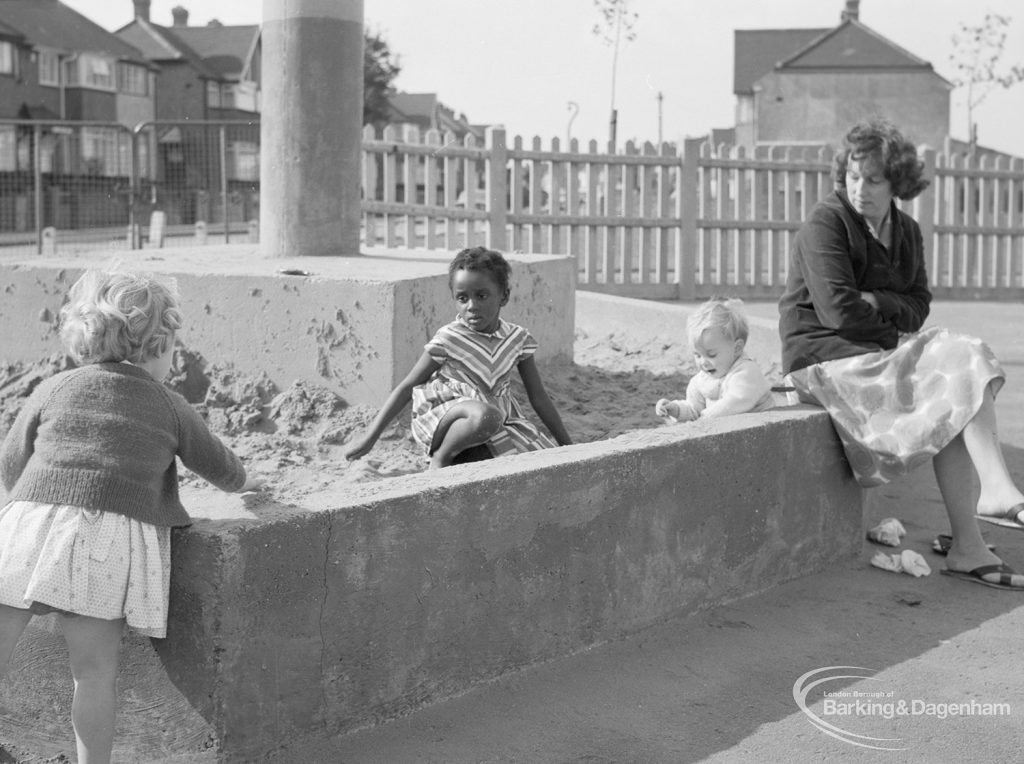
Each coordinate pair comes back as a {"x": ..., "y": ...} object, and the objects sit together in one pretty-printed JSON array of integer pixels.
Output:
[
  {"x": 93, "y": 645},
  {"x": 13, "y": 621}
]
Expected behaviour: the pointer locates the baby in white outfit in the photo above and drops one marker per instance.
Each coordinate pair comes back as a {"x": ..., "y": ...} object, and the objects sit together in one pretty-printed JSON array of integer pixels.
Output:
[{"x": 727, "y": 381}]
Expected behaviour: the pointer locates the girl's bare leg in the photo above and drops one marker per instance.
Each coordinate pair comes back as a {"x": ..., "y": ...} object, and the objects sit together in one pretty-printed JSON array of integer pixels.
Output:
[
  {"x": 93, "y": 645},
  {"x": 469, "y": 423},
  {"x": 13, "y": 621}
]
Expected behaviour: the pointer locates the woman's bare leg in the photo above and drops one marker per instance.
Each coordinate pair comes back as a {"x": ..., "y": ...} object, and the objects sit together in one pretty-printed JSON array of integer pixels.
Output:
[
  {"x": 93, "y": 645},
  {"x": 13, "y": 621},
  {"x": 469, "y": 423},
  {"x": 955, "y": 474},
  {"x": 981, "y": 437}
]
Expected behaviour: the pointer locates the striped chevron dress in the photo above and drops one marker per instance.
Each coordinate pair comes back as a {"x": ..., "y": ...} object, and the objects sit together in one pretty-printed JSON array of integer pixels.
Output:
[{"x": 477, "y": 366}]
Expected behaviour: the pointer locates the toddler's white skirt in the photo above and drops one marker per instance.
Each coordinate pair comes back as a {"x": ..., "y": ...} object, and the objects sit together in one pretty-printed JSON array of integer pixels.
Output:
[{"x": 56, "y": 557}]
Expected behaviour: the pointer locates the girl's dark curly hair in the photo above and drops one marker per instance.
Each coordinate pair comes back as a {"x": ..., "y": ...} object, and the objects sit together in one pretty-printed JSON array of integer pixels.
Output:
[
  {"x": 881, "y": 140},
  {"x": 482, "y": 259}
]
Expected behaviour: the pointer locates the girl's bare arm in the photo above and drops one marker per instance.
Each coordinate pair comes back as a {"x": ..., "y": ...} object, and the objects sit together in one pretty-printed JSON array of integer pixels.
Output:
[
  {"x": 400, "y": 396},
  {"x": 541, "y": 402}
]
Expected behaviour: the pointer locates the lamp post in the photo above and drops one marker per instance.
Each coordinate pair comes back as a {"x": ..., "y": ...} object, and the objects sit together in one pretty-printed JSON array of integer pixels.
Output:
[
  {"x": 661, "y": 98},
  {"x": 575, "y": 109}
]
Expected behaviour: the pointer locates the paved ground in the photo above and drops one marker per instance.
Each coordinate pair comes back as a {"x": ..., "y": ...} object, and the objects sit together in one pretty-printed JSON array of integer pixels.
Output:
[{"x": 719, "y": 686}]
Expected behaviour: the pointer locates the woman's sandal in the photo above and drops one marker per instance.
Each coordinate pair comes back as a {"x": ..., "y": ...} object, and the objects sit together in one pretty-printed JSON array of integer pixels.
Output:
[
  {"x": 1004, "y": 571},
  {"x": 1008, "y": 519},
  {"x": 944, "y": 541}
]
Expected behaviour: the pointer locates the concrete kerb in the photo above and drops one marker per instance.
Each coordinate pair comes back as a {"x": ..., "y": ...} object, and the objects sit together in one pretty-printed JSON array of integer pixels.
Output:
[{"x": 413, "y": 590}]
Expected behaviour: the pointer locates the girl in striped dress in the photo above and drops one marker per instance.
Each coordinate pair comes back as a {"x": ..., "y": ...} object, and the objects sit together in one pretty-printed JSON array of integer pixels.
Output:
[{"x": 461, "y": 386}]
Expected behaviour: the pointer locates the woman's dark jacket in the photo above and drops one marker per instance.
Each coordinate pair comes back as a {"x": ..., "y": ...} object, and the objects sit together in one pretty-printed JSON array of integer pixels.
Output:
[{"x": 834, "y": 258}]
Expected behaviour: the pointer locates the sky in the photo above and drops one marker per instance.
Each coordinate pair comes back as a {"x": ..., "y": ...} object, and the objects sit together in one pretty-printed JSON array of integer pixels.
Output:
[{"x": 522, "y": 63}]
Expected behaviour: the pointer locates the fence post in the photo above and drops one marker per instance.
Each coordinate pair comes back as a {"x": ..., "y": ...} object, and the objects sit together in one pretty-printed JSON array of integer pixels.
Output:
[
  {"x": 224, "y": 182},
  {"x": 497, "y": 193},
  {"x": 688, "y": 211},
  {"x": 37, "y": 180},
  {"x": 133, "y": 186},
  {"x": 926, "y": 204},
  {"x": 157, "y": 227},
  {"x": 48, "y": 241}
]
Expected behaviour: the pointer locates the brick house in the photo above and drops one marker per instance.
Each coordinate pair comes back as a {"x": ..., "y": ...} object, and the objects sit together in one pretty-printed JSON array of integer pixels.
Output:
[
  {"x": 57, "y": 65},
  {"x": 206, "y": 73},
  {"x": 807, "y": 86}
]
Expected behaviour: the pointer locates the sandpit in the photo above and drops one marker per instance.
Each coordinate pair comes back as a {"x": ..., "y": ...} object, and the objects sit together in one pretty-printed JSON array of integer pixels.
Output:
[{"x": 295, "y": 438}]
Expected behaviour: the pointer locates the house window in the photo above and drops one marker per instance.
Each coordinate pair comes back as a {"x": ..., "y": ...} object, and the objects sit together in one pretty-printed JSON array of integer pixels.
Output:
[
  {"x": 142, "y": 166},
  {"x": 8, "y": 148},
  {"x": 49, "y": 68},
  {"x": 243, "y": 161},
  {"x": 8, "y": 58},
  {"x": 132, "y": 79},
  {"x": 744, "y": 110},
  {"x": 213, "y": 99},
  {"x": 105, "y": 151},
  {"x": 94, "y": 72},
  {"x": 243, "y": 96}
]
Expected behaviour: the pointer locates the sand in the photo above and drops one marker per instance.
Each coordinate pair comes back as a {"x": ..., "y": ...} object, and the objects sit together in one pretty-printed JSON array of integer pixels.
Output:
[{"x": 295, "y": 438}]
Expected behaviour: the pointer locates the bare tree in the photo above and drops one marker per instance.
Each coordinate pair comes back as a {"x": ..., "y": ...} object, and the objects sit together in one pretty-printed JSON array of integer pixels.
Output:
[
  {"x": 977, "y": 54},
  {"x": 617, "y": 22}
]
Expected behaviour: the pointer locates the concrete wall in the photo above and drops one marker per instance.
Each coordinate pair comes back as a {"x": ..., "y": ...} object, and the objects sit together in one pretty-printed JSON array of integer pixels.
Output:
[
  {"x": 288, "y": 622},
  {"x": 355, "y": 324},
  {"x": 415, "y": 589}
]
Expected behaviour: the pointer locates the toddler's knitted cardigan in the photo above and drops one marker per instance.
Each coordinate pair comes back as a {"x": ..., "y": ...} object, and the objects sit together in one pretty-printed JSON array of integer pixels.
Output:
[{"x": 105, "y": 436}]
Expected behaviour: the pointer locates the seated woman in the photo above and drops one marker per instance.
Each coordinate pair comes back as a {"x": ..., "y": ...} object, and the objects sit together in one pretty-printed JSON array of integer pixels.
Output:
[{"x": 850, "y": 319}]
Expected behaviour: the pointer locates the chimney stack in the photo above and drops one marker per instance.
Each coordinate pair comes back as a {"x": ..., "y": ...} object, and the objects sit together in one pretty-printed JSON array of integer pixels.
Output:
[
  {"x": 180, "y": 14},
  {"x": 141, "y": 9},
  {"x": 851, "y": 11}
]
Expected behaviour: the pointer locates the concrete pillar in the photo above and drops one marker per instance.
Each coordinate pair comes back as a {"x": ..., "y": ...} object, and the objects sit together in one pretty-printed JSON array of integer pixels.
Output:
[{"x": 311, "y": 127}]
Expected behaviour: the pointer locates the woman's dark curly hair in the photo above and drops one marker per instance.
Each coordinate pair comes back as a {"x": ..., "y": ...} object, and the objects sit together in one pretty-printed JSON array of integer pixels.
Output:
[
  {"x": 881, "y": 140},
  {"x": 482, "y": 259}
]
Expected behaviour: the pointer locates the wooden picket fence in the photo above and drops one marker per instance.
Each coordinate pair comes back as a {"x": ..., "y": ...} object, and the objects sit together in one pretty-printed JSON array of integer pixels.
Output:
[{"x": 649, "y": 222}]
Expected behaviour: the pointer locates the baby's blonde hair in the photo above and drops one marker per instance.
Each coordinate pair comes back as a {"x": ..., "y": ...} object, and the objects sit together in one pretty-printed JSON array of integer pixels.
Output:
[
  {"x": 718, "y": 313},
  {"x": 119, "y": 316}
]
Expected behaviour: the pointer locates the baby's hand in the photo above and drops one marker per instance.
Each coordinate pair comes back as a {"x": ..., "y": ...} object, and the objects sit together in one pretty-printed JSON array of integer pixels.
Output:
[{"x": 665, "y": 407}]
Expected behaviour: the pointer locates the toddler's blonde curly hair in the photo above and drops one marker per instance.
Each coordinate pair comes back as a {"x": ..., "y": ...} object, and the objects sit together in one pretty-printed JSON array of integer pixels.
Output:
[{"x": 114, "y": 316}]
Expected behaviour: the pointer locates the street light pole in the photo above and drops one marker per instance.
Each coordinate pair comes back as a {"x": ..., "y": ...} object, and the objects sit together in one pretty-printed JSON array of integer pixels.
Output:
[
  {"x": 661, "y": 98},
  {"x": 575, "y": 109}
]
